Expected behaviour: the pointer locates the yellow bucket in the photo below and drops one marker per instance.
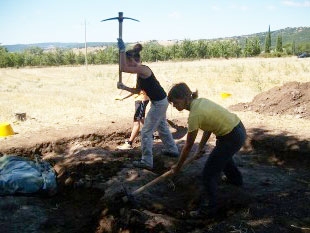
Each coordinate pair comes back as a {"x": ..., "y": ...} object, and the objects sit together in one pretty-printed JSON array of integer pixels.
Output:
[
  {"x": 6, "y": 129},
  {"x": 225, "y": 95}
]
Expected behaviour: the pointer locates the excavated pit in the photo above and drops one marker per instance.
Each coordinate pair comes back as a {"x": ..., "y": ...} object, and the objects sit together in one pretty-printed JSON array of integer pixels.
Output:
[{"x": 93, "y": 178}]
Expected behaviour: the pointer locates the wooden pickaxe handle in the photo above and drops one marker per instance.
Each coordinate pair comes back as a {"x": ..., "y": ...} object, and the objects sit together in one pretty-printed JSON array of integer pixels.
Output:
[{"x": 164, "y": 176}]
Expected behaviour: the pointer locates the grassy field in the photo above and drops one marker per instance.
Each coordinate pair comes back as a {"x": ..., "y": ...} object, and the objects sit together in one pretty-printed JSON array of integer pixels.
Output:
[{"x": 61, "y": 96}]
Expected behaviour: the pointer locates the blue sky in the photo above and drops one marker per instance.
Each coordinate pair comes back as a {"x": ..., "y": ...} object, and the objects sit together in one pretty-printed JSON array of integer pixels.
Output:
[{"x": 36, "y": 21}]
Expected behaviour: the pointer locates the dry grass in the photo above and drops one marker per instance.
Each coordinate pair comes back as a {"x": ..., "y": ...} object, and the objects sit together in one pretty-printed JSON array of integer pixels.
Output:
[{"x": 64, "y": 96}]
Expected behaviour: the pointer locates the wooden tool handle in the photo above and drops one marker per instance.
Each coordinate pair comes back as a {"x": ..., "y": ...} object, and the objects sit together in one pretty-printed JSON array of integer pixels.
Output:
[
  {"x": 165, "y": 175},
  {"x": 155, "y": 181}
]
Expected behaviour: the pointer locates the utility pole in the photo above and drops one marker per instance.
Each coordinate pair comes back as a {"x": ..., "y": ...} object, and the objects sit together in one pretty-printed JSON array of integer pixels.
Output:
[{"x": 85, "y": 46}]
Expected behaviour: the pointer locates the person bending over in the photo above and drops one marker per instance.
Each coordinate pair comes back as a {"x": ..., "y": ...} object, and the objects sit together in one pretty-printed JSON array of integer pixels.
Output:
[{"x": 230, "y": 137}]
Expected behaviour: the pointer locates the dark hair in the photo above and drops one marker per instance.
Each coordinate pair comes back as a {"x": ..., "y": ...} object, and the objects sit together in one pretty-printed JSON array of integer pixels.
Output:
[
  {"x": 135, "y": 52},
  {"x": 181, "y": 91}
]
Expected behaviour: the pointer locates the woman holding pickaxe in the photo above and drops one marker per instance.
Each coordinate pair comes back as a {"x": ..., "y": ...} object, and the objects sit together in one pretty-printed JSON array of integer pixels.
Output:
[{"x": 130, "y": 62}]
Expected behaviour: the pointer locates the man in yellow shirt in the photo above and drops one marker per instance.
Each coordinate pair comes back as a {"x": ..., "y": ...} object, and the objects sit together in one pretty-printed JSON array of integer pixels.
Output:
[{"x": 230, "y": 137}]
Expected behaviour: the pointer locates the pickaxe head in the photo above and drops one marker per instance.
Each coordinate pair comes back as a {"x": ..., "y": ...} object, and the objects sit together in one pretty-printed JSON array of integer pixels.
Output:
[{"x": 120, "y": 18}]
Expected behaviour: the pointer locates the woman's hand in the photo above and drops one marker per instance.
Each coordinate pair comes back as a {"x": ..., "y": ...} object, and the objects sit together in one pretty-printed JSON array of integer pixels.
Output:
[
  {"x": 120, "y": 85},
  {"x": 121, "y": 45},
  {"x": 175, "y": 169}
]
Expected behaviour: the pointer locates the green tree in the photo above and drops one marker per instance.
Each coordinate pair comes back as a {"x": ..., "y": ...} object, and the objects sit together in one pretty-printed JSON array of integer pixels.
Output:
[
  {"x": 80, "y": 58},
  {"x": 294, "y": 47},
  {"x": 187, "y": 49},
  {"x": 201, "y": 49},
  {"x": 152, "y": 52},
  {"x": 59, "y": 56},
  {"x": 252, "y": 47},
  {"x": 223, "y": 46},
  {"x": 17, "y": 59},
  {"x": 236, "y": 49},
  {"x": 91, "y": 57},
  {"x": 216, "y": 49},
  {"x": 279, "y": 47},
  {"x": 3, "y": 57},
  {"x": 111, "y": 55},
  {"x": 268, "y": 41},
  {"x": 256, "y": 47},
  {"x": 69, "y": 57},
  {"x": 33, "y": 56},
  {"x": 48, "y": 59},
  {"x": 175, "y": 51}
]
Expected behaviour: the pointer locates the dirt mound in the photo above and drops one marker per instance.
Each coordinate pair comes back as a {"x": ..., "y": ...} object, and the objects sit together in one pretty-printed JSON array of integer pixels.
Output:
[{"x": 292, "y": 98}]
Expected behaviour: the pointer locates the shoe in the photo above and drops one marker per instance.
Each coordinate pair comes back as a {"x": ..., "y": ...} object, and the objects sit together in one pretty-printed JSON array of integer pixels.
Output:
[
  {"x": 170, "y": 153},
  {"x": 141, "y": 164},
  {"x": 125, "y": 146}
]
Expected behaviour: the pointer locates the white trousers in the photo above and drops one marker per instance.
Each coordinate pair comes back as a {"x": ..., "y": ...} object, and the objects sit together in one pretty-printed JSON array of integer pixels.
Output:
[{"x": 156, "y": 120}]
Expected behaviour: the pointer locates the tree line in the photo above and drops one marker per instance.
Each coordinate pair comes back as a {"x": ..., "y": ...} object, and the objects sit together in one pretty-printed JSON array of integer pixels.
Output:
[{"x": 153, "y": 51}]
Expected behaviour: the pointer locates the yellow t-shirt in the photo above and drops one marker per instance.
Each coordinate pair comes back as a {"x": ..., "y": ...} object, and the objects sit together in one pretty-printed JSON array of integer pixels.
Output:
[{"x": 209, "y": 116}]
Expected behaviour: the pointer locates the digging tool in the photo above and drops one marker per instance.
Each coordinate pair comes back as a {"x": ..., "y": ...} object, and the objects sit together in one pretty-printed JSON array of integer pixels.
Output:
[
  {"x": 120, "y": 19},
  {"x": 131, "y": 197},
  {"x": 119, "y": 95}
]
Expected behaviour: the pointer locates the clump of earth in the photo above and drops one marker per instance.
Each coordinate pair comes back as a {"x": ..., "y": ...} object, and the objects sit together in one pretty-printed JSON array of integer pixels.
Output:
[
  {"x": 292, "y": 98},
  {"x": 95, "y": 181}
]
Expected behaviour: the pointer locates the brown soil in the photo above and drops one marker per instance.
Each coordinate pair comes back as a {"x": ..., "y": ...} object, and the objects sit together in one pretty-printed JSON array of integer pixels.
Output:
[
  {"x": 292, "y": 98},
  {"x": 95, "y": 179}
]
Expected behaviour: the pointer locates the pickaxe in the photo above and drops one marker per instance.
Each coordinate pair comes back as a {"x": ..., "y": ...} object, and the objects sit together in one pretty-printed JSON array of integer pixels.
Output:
[{"x": 120, "y": 19}]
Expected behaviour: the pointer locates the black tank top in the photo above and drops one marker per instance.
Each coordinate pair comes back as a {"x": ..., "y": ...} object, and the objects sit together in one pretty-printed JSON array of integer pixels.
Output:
[{"x": 152, "y": 87}]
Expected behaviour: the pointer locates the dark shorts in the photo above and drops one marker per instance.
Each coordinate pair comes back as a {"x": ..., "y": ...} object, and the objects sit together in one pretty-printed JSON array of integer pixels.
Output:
[{"x": 140, "y": 107}]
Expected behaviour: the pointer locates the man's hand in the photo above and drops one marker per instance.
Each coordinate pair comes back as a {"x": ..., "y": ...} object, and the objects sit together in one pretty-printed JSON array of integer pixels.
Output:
[{"x": 121, "y": 45}]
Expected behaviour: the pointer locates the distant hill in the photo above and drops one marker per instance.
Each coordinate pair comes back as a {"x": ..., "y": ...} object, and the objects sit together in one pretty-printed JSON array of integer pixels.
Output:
[
  {"x": 299, "y": 34},
  {"x": 53, "y": 45}
]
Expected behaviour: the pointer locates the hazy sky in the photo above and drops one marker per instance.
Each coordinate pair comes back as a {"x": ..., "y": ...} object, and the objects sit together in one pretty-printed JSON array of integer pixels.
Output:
[{"x": 36, "y": 21}]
